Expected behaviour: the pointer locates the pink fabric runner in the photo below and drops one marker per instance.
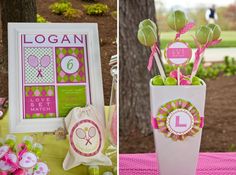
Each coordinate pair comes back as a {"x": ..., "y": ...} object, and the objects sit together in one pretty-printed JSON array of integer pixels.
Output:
[{"x": 208, "y": 164}]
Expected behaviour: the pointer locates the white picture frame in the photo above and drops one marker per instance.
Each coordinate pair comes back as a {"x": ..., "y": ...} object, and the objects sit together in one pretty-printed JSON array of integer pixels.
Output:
[{"x": 21, "y": 41}]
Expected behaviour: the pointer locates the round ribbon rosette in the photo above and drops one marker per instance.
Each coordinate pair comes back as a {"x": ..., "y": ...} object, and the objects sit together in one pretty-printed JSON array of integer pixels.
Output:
[{"x": 178, "y": 119}]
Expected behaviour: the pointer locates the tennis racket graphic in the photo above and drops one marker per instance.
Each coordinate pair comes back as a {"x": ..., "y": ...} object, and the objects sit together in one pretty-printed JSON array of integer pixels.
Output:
[
  {"x": 38, "y": 64},
  {"x": 86, "y": 135}
]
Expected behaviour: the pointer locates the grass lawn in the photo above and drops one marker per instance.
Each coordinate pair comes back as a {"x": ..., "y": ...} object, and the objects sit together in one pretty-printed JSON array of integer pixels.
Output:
[{"x": 228, "y": 38}]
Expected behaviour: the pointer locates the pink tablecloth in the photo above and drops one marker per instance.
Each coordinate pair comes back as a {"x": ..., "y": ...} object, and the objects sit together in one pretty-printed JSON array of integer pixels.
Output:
[{"x": 208, "y": 164}]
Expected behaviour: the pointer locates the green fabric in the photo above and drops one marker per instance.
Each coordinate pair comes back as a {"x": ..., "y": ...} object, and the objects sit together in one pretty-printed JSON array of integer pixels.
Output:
[{"x": 54, "y": 151}]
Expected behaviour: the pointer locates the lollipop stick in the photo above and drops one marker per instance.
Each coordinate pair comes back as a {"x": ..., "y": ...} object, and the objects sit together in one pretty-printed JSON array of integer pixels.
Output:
[
  {"x": 178, "y": 75},
  {"x": 160, "y": 67}
]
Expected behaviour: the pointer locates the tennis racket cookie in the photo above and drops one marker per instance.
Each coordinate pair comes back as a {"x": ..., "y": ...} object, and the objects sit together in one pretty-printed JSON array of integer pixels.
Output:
[
  {"x": 42, "y": 169},
  {"x": 28, "y": 160},
  {"x": 9, "y": 163}
]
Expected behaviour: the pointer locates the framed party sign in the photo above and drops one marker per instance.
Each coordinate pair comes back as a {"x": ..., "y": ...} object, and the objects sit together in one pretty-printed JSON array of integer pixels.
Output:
[{"x": 52, "y": 68}]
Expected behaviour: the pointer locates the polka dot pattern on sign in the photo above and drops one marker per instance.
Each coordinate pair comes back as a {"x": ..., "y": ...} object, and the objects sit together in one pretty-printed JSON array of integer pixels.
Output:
[{"x": 38, "y": 73}]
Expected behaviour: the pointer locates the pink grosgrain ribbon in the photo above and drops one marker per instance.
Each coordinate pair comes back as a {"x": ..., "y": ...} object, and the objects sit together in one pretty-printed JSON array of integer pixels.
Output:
[
  {"x": 20, "y": 172},
  {"x": 154, "y": 50},
  {"x": 154, "y": 122},
  {"x": 200, "y": 50},
  {"x": 24, "y": 150},
  {"x": 185, "y": 29}
]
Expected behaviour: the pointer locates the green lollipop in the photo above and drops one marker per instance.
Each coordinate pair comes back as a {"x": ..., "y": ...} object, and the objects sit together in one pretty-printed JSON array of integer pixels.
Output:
[
  {"x": 10, "y": 140},
  {"x": 157, "y": 80},
  {"x": 177, "y": 20},
  {"x": 147, "y": 22},
  {"x": 216, "y": 30},
  {"x": 196, "y": 81},
  {"x": 11, "y": 143},
  {"x": 170, "y": 81},
  {"x": 28, "y": 141},
  {"x": 28, "y": 144},
  {"x": 38, "y": 149},
  {"x": 115, "y": 170},
  {"x": 204, "y": 34},
  {"x": 147, "y": 36},
  {"x": 93, "y": 170}
]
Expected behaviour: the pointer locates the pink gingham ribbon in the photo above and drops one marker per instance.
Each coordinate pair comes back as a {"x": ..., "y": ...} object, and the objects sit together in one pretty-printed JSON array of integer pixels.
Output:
[
  {"x": 154, "y": 122},
  {"x": 154, "y": 50},
  {"x": 200, "y": 50},
  {"x": 24, "y": 150},
  {"x": 20, "y": 171},
  {"x": 185, "y": 29}
]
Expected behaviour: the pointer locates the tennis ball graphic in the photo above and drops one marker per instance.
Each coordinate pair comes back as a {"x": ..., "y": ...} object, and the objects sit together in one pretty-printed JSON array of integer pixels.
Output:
[
  {"x": 170, "y": 81},
  {"x": 148, "y": 22},
  {"x": 196, "y": 81},
  {"x": 157, "y": 80},
  {"x": 177, "y": 20},
  {"x": 204, "y": 34},
  {"x": 216, "y": 30},
  {"x": 147, "y": 36}
]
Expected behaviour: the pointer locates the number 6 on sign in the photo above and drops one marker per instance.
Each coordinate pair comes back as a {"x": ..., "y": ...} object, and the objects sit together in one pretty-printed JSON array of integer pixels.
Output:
[{"x": 70, "y": 64}]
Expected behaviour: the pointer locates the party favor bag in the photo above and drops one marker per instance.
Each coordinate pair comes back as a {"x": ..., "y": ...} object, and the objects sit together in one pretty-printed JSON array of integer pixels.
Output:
[{"x": 86, "y": 138}]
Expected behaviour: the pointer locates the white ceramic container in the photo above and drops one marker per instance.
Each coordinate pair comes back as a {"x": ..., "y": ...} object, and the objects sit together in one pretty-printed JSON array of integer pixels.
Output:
[{"x": 177, "y": 157}]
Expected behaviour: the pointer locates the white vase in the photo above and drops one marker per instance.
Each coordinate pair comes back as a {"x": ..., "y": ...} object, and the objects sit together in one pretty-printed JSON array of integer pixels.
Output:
[{"x": 177, "y": 157}]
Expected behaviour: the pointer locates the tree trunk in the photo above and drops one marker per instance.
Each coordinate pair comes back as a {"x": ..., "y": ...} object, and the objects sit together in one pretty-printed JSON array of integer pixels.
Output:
[
  {"x": 12, "y": 11},
  {"x": 134, "y": 76}
]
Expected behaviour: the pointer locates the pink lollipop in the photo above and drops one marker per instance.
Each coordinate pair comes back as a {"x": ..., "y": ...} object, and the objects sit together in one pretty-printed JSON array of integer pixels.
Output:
[
  {"x": 174, "y": 74},
  {"x": 185, "y": 80},
  {"x": 45, "y": 61},
  {"x": 33, "y": 61}
]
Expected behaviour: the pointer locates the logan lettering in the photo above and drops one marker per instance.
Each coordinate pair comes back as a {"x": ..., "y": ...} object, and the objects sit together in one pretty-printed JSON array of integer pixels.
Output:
[{"x": 53, "y": 39}]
